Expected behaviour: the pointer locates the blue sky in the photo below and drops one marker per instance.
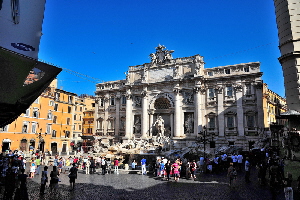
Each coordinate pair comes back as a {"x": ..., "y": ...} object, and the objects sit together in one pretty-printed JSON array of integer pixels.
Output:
[{"x": 101, "y": 38}]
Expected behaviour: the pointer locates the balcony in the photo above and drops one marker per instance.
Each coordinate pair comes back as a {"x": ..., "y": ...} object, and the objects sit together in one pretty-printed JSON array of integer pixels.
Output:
[{"x": 231, "y": 131}]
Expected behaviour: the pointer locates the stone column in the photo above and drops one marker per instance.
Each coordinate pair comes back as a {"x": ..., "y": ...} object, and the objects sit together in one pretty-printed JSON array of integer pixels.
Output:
[
  {"x": 259, "y": 104},
  {"x": 240, "y": 111},
  {"x": 198, "y": 113},
  {"x": 220, "y": 111},
  {"x": 129, "y": 116},
  {"x": 172, "y": 124},
  {"x": 105, "y": 124},
  {"x": 178, "y": 111},
  {"x": 117, "y": 122},
  {"x": 151, "y": 123},
  {"x": 145, "y": 119}
]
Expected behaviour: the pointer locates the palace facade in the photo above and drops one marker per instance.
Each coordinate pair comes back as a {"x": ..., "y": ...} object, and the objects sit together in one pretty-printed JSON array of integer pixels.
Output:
[{"x": 179, "y": 98}]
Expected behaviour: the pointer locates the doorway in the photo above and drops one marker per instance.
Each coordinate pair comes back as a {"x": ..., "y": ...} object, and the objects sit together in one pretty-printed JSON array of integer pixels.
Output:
[
  {"x": 64, "y": 148},
  {"x": 5, "y": 145},
  {"x": 23, "y": 145},
  {"x": 54, "y": 148}
]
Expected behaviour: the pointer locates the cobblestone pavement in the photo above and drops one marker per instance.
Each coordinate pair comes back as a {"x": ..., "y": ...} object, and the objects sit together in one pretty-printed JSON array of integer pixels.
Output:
[{"x": 137, "y": 186}]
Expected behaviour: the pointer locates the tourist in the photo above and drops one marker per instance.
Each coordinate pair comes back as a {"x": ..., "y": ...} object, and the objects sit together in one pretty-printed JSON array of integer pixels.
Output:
[
  {"x": 23, "y": 185},
  {"x": 116, "y": 166},
  {"x": 234, "y": 161},
  {"x": 98, "y": 162},
  {"x": 73, "y": 176},
  {"x": 103, "y": 165},
  {"x": 68, "y": 164},
  {"x": 162, "y": 169},
  {"x": 54, "y": 179},
  {"x": 232, "y": 174},
  {"x": 38, "y": 163},
  {"x": 93, "y": 165},
  {"x": 240, "y": 161},
  {"x": 175, "y": 170},
  {"x": 60, "y": 165},
  {"x": 32, "y": 169},
  {"x": 188, "y": 173},
  {"x": 247, "y": 170},
  {"x": 193, "y": 168},
  {"x": 157, "y": 163},
  {"x": 87, "y": 166},
  {"x": 133, "y": 165},
  {"x": 10, "y": 183},
  {"x": 288, "y": 190},
  {"x": 168, "y": 168},
  {"x": 143, "y": 164},
  {"x": 202, "y": 163},
  {"x": 44, "y": 180}
]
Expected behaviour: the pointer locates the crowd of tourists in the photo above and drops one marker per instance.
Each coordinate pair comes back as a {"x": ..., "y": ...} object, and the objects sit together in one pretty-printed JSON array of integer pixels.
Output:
[{"x": 270, "y": 170}]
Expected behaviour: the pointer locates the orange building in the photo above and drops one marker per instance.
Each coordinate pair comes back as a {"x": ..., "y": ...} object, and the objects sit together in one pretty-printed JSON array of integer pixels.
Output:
[{"x": 51, "y": 123}]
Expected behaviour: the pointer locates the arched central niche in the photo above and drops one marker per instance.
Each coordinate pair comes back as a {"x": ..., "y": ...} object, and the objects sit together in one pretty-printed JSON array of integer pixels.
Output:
[{"x": 162, "y": 103}]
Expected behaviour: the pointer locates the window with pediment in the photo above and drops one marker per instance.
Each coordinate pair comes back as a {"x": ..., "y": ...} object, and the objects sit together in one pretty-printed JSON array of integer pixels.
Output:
[{"x": 162, "y": 103}]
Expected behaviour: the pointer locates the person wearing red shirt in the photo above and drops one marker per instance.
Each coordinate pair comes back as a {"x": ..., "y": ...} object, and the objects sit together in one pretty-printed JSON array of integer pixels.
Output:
[{"x": 116, "y": 165}]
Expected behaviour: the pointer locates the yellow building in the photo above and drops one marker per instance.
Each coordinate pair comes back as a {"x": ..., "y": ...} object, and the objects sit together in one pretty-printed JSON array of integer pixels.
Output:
[
  {"x": 52, "y": 123},
  {"x": 273, "y": 105},
  {"x": 82, "y": 103}
]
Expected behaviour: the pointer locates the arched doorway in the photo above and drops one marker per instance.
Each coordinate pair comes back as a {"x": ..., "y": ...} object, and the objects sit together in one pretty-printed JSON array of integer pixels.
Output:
[
  {"x": 23, "y": 145},
  {"x": 6, "y": 144},
  {"x": 32, "y": 145},
  {"x": 54, "y": 148},
  {"x": 42, "y": 145}
]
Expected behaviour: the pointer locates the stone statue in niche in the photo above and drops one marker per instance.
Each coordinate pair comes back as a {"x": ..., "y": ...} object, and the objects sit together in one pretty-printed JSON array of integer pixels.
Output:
[
  {"x": 189, "y": 124},
  {"x": 160, "y": 126},
  {"x": 137, "y": 125},
  {"x": 188, "y": 98},
  {"x": 138, "y": 101}
]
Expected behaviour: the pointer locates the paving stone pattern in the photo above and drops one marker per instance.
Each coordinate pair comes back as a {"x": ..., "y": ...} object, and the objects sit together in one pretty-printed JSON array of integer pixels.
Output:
[{"x": 137, "y": 186}]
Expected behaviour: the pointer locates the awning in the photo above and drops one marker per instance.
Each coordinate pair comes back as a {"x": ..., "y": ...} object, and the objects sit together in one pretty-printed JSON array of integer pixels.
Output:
[
  {"x": 87, "y": 137},
  {"x": 22, "y": 80}
]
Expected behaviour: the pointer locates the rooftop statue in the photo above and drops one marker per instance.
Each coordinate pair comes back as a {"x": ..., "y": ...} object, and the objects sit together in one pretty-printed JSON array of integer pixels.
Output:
[{"x": 161, "y": 55}]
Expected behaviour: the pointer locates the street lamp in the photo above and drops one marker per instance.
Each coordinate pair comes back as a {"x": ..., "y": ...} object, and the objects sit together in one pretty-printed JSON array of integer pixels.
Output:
[{"x": 203, "y": 139}]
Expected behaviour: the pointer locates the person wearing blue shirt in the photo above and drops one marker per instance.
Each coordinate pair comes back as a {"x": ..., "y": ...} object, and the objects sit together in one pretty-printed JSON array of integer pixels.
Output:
[{"x": 143, "y": 163}]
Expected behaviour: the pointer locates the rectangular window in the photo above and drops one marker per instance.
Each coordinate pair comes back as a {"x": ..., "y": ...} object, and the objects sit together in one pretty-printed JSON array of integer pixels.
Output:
[
  {"x": 48, "y": 130},
  {"x": 56, "y": 107},
  {"x": 70, "y": 99},
  {"x": 112, "y": 101},
  {"x": 250, "y": 121},
  {"x": 227, "y": 71},
  {"x": 4, "y": 128},
  {"x": 49, "y": 116},
  {"x": 246, "y": 69},
  {"x": 210, "y": 73},
  {"x": 229, "y": 91},
  {"x": 25, "y": 127},
  {"x": 79, "y": 127},
  {"x": 75, "y": 117},
  {"x": 80, "y": 109},
  {"x": 123, "y": 100},
  {"x": 67, "y": 134},
  {"x": 69, "y": 109},
  {"x": 230, "y": 122},
  {"x": 57, "y": 95},
  {"x": 211, "y": 92},
  {"x": 211, "y": 122},
  {"x": 35, "y": 113},
  {"x": 68, "y": 121},
  {"x": 101, "y": 102},
  {"x": 248, "y": 89},
  {"x": 27, "y": 113},
  {"x": 51, "y": 103},
  {"x": 33, "y": 127},
  {"x": 54, "y": 133},
  {"x": 54, "y": 119},
  {"x": 93, "y": 105}
]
